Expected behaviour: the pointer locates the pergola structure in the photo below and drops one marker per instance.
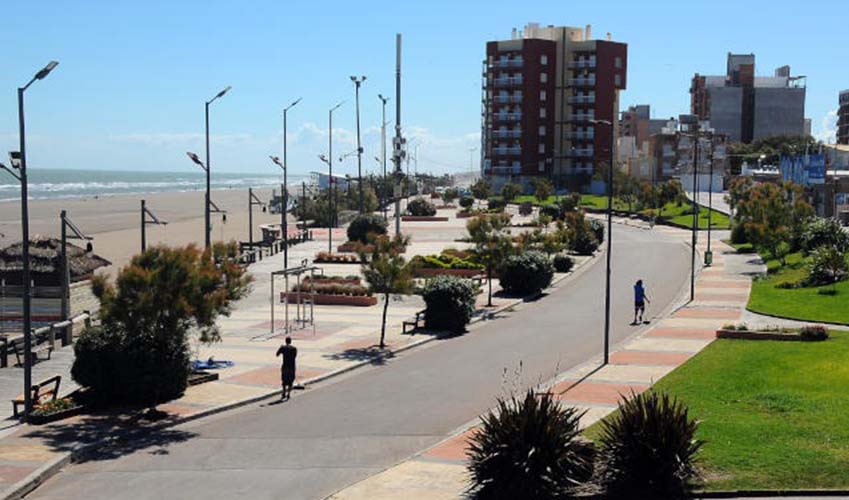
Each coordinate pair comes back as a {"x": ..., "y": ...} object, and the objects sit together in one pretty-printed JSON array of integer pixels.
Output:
[{"x": 304, "y": 306}]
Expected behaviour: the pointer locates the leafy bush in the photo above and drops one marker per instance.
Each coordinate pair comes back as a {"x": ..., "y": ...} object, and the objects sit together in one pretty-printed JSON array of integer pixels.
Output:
[
  {"x": 529, "y": 448},
  {"x": 450, "y": 303},
  {"x": 648, "y": 448},
  {"x": 526, "y": 208},
  {"x": 570, "y": 202},
  {"x": 420, "y": 207},
  {"x": 597, "y": 227},
  {"x": 510, "y": 191},
  {"x": 450, "y": 195},
  {"x": 364, "y": 225},
  {"x": 443, "y": 261},
  {"x": 563, "y": 263},
  {"x": 526, "y": 273},
  {"x": 818, "y": 233},
  {"x": 738, "y": 234},
  {"x": 496, "y": 204},
  {"x": 481, "y": 189},
  {"x": 813, "y": 332},
  {"x": 828, "y": 265},
  {"x": 467, "y": 202},
  {"x": 551, "y": 210}
]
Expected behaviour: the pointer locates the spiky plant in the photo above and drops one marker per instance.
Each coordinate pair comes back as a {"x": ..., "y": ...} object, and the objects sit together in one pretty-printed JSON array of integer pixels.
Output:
[
  {"x": 528, "y": 448},
  {"x": 648, "y": 448}
]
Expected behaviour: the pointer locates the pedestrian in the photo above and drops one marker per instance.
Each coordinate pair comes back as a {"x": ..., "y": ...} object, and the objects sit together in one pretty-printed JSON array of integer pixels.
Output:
[
  {"x": 640, "y": 299},
  {"x": 287, "y": 369}
]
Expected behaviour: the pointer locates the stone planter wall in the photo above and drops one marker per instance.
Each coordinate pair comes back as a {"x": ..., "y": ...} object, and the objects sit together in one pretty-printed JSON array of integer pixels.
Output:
[
  {"x": 755, "y": 335},
  {"x": 423, "y": 218},
  {"x": 323, "y": 299},
  {"x": 463, "y": 273}
]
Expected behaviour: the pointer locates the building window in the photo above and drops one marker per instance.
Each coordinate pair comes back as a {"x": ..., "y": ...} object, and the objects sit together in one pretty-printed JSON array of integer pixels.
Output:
[
  {"x": 617, "y": 80},
  {"x": 543, "y": 59},
  {"x": 542, "y": 112},
  {"x": 541, "y": 148},
  {"x": 543, "y": 77},
  {"x": 542, "y": 95},
  {"x": 542, "y": 130},
  {"x": 618, "y": 62},
  {"x": 542, "y": 166}
]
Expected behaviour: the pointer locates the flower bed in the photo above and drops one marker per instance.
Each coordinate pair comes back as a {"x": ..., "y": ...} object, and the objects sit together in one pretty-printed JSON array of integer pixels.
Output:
[
  {"x": 463, "y": 273},
  {"x": 465, "y": 214},
  {"x": 335, "y": 258},
  {"x": 447, "y": 206},
  {"x": 423, "y": 218},
  {"x": 353, "y": 247},
  {"x": 338, "y": 280},
  {"x": 451, "y": 262},
  {"x": 809, "y": 333},
  {"x": 202, "y": 377},
  {"x": 52, "y": 411},
  {"x": 331, "y": 294}
]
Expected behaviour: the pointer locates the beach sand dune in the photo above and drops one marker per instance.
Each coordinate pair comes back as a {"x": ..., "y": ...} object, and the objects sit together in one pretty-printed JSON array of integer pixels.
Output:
[{"x": 114, "y": 221}]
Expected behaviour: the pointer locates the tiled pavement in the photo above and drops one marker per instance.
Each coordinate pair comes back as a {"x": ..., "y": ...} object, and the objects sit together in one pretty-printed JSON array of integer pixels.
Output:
[
  {"x": 721, "y": 296},
  {"x": 340, "y": 338}
]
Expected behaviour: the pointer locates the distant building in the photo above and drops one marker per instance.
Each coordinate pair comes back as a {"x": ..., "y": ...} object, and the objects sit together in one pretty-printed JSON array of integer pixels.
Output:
[
  {"x": 671, "y": 152},
  {"x": 843, "y": 119},
  {"x": 636, "y": 122},
  {"x": 746, "y": 107},
  {"x": 541, "y": 89}
]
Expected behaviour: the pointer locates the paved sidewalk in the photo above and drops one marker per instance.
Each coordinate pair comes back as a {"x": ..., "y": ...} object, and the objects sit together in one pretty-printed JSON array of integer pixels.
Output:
[
  {"x": 721, "y": 295},
  {"x": 342, "y": 338}
]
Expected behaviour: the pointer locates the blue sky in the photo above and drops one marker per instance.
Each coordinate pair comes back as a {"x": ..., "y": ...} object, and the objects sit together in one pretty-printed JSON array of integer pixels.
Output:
[{"x": 133, "y": 76}]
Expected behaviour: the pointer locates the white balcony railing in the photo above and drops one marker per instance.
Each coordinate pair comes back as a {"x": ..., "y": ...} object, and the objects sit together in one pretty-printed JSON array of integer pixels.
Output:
[
  {"x": 587, "y": 81},
  {"x": 507, "y": 134},
  {"x": 581, "y": 135},
  {"x": 583, "y": 63},
  {"x": 505, "y": 169},
  {"x": 508, "y": 99},
  {"x": 508, "y": 81},
  {"x": 581, "y": 117},
  {"x": 581, "y": 99},
  {"x": 582, "y": 153},
  {"x": 509, "y": 63},
  {"x": 507, "y": 150},
  {"x": 508, "y": 117}
]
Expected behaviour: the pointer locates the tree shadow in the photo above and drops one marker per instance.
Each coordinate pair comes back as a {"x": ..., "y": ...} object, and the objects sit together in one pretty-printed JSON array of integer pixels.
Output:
[
  {"x": 108, "y": 436},
  {"x": 373, "y": 354}
]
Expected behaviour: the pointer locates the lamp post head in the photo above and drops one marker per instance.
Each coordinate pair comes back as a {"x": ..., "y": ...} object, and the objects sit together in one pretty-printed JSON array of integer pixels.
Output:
[
  {"x": 46, "y": 70},
  {"x": 221, "y": 94},
  {"x": 15, "y": 159},
  {"x": 323, "y": 158},
  {"x": 276, "y": 159},
  {"x": 293, "y": 104},
  {"x": 195, "y": 159}
]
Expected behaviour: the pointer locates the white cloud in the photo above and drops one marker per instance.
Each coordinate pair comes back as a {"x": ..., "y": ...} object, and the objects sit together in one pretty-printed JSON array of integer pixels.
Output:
[
  {"x": 827, "y": 131},
  {"x": 174, "y": 139}
]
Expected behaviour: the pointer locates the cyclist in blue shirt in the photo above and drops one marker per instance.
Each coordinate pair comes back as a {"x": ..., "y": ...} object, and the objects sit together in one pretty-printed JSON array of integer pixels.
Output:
[{"x": 640, "y": 299}]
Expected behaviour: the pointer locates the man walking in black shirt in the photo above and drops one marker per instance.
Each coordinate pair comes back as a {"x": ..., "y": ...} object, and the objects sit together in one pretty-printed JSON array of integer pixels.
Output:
[{"x": 287, "y": 370}]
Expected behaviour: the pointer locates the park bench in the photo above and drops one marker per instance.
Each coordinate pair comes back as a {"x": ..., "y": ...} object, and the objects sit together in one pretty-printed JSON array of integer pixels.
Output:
[
  {"x": 40, "y": 392},
  {"x": 413, "y": 322},
  {"x": 40, "y": 343}
]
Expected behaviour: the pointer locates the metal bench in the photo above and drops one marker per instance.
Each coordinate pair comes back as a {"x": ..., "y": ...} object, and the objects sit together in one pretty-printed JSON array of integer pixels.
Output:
[
  {"x": 40, "y": 392},
  {"x": 413, "y": 322},
  {"x": 39, "y": 345}
]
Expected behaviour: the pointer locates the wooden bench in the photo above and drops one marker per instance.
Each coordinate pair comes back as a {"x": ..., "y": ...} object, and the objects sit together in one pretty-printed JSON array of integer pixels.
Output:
[
  {"x": 413, "y": 322},
  {"x": 39, "y": 345},
  {"x": 40, "y": 392}
]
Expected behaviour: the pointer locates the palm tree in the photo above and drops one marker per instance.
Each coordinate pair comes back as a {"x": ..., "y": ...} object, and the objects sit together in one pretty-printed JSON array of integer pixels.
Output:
[{"x": 386, "y": 272}]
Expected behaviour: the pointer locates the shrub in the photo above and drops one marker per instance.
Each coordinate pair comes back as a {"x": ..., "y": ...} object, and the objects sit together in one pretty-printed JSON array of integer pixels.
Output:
[
  {"x": 443, "y": 261},
  {"x": 450, "y": 303},
  {"x": 570, "y": 202},
  {"x": 579, "y": 235},
  {"x": 828, "y": 266},
  {"x": 813, "y": 332},
  {"x": 529, "y": 448},
  {"x": 450, "y": 195},
  {"x": 420, "y": 207},
  {"x": 738, "y": 234},
  {"x": 563, "y": 263},
  {"x": 597, "y": 227},
  {"x": 526, "y": 208},
  {"x": 467, "y": 202},
  {"x": 496, "y": 204},
  {"x": 364, "y": 225},
  {"x": 552, "y": 211},
  {"x": 526, "y": 273},
  {"x": 648, "y": 448},
  {"x": 819, "y": 233},
  {"x": 510, "y": 191}
]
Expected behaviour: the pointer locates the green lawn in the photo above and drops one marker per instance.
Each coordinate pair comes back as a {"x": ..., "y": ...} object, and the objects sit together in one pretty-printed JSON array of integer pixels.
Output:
[
  {"x": 798, "y": 303},
  {"x": 773, "y": 414},
  {"x": 533, "y": 199},
  {"x": 678, "y": 215}
]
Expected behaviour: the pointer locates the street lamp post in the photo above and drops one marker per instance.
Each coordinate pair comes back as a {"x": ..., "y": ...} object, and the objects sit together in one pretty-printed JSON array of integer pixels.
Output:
[
  {"x": 357, "y": 82},
  {"x": 206, "y": 211},
  {"x": 19, "y": 163},
  {"x": 331, "y": 191},
  {"x": 66, "y": 224},
  {"x": 383, "y": 101},
  {"x": 285, "y": 223},
  {"x": 145, "y": 213},
  {"x": 609, "y": 240},
  {"x": 252, "y": 200}
]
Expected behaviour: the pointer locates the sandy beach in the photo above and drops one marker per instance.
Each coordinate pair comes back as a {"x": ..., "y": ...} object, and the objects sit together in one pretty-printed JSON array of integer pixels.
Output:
[{"x": 114, "y": 221}]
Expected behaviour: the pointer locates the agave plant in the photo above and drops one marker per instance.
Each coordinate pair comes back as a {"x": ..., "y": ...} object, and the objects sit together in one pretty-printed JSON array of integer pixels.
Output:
[
  {"x": 648, "y": 448},
  {"x": 528, "y": 448}
]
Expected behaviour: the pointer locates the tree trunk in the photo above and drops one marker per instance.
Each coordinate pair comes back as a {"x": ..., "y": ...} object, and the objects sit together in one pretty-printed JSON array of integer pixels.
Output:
[
  {"x": 383, "y": 323},
  {"x": 489, "y": 281}
]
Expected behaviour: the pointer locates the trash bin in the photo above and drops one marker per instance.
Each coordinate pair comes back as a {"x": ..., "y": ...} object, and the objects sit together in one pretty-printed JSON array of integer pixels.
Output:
[{"x": 708, "y": 257}]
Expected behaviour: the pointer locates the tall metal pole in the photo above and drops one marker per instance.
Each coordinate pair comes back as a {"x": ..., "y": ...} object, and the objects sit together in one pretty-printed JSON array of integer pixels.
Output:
[
  {"x": 25, "y": 256},
  {"x": 284, "y": 224},
  {"x": 710, "y": 196},
  {"x": 609, "y": 250},
  {"x": 206, "y": 215},
  {"x": 143, "y": 234},
  {"x": 66, "y": 279},
  {"x": 695, "y": 216},
  {"x": 383, "y": 101},
  {"x": 331, "y": 194},
  {"x": 251, "y": 217},
  {"x": 398, "y": 141},
  {"x": 357, "y": 83},
  {"x": 304, "y": 209}
]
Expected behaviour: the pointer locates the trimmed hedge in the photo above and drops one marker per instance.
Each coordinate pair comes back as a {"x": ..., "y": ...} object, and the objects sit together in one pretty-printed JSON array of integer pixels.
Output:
[
  {"x": 467, "y": 201},
  {"x": 450, "y": 303},
  {"x": 563, "y": 263},
  {"x": 366, "y": 224},
  {"x": 420, "y": 207},
  {"x": 526, "y": 273}
]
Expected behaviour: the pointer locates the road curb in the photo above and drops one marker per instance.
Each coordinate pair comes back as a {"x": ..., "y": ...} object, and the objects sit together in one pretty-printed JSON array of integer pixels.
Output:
[
  {"x": 770, "y": 493},
  {"x": 778, "y": 316}
]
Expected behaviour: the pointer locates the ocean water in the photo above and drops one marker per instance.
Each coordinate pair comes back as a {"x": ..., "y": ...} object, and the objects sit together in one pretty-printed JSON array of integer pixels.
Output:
[{"x": 55, "y": 183}]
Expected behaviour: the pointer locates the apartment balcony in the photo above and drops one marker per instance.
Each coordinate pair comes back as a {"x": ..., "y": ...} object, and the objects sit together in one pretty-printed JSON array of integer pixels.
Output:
[
  {"x": 668, "y": 152},
  {"x": 507, "y": 117},
  {"x": 508, "y": 99},
  {"x": 507, "y": 150},
  {"x": 585, "y": 81},
  {"x": 509, "y": 63},
  {"x": 580, "y": 117},
  {"x": 579, "y": 135},
  {"x": 505, "y": 169},
  {"x": 509, "y": 81},
  {"x": 582, "y": 63},
  {"x": 581, "y": 152},
  {"x": 581, "y": 99},
  {"x": 507, "y": 134}
]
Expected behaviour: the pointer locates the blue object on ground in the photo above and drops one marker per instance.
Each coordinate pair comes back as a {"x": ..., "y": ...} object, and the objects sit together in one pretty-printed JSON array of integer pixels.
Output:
[{"x": 211, "y": 364}]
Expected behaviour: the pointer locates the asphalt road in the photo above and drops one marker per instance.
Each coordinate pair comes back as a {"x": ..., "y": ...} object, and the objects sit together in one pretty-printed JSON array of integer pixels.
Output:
[{"x": 331, "y": 436}]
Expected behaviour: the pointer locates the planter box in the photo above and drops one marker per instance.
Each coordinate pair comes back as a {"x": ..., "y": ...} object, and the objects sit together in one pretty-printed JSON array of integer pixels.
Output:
[
  {"x": 318, "y": 260},
  {"x": 36, "y": 419},
  {"x": 423, "y": 218},
  {"x": 323, "y": 299},
  {"x": 351, "y": 247},
  {"x": 446, "y": 207},
  {"x": 463, "y": 273},
  {"x": 465, "y": 215},
  {"x": 334, "y": 281},
  {"x": 755, "y": 335},
  {"x": 201, "y": 377}
]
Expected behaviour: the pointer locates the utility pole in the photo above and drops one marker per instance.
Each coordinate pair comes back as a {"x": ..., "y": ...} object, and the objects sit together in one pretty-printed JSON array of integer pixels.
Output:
[
  {"x": 145, "y": 213},
  {"x": 383, "y": 101},
  {"x": 357, "y": 83},
  {"x": 208, "y": 201},
  {"x": 695, "y": 213},
  {"x": 398, "y": 143},
  {"x": 709, "y": 253},
  {"x": 284, "y": 228}
]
